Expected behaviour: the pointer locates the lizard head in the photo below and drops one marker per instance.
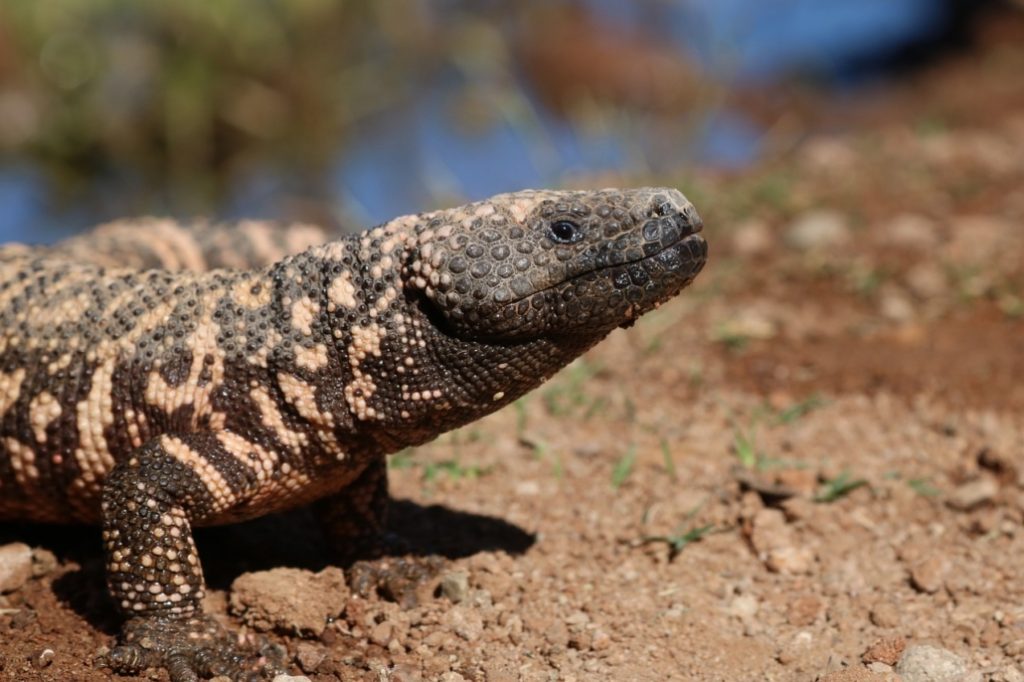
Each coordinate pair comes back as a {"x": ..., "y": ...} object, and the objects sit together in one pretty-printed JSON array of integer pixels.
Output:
[{"x": 549, "y": 263}]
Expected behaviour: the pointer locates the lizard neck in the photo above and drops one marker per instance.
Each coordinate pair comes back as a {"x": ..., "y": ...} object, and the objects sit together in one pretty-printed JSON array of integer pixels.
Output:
[{"x": 385, "y": 369}]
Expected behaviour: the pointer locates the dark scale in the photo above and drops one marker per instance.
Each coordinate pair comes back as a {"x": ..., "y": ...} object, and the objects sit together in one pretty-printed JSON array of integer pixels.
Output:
[{"x": 153, "y": 400}]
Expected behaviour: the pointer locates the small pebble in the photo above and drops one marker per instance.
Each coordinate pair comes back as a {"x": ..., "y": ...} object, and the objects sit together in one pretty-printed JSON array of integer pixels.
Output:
[
  {"x": 925, "y": 663},
  {"x": 777, "y": 544},
  {"x": 43, "y": 659},
  {"x": 885, "y": 615},
  {"x": 911, "y": 231},
  {"x": 15, "y": 566},
  {"x": 805, "y": 610},
  {"x": 927, "y": 280},
  {"x": 818, "y": 229},
  {"x": 1008, "y": 674},
  {"x": 291, "y": 678},
  {"x": 752, "y": 237},
  {"x": 973, "y": 494},
  {"x": 600, "y": 641},
  {"x": 790, "y": 560},
  {"x": 310, "y": 656},
  {"x": 466, "y": 623},
  {"x": 380, "y": 634},
  {"x": 744, "y": 606},
  {"x": 44, "y": 562},
  {"x": 928, "y": 575},
  {"x": 455, "y": 586},
  {"x": 886, "y": 650},
  {"x": 894, "y": 304}
]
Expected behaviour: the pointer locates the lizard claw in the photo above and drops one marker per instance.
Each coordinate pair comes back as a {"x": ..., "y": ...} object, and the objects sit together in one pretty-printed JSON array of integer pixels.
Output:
[{"x": 190, "y": 650}]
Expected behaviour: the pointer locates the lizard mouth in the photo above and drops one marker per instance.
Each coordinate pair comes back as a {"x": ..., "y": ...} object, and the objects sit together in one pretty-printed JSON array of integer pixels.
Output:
[
  {"x": 689, "y": 249},
  {"x": 661, "y": 275},
  {"x": 610, "y": 295}
]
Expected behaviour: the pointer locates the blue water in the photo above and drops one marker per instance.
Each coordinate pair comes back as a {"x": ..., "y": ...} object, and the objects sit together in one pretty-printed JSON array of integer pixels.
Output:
[
  {"x": 757, "y": 40},
  {"x": 411, "y": 160}
]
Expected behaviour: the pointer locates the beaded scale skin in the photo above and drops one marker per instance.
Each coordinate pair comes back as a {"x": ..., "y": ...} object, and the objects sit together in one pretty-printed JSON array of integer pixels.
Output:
[{"x": 217, "y": 378}]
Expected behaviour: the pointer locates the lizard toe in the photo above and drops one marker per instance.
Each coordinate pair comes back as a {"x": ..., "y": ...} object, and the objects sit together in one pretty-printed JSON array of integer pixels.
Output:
[{"x": 191, "y": 650}]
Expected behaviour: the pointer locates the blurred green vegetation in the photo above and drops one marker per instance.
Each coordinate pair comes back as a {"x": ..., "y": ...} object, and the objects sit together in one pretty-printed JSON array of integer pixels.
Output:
[{"x": 191, "y": 93}]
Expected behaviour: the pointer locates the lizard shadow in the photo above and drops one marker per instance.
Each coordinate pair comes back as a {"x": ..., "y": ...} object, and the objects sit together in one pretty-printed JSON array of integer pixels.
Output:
[{"x": 291, "y": 539}]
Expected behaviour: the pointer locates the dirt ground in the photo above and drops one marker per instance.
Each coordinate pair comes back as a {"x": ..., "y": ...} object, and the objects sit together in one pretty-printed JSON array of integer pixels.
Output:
[{"x": 809, "y": 464}]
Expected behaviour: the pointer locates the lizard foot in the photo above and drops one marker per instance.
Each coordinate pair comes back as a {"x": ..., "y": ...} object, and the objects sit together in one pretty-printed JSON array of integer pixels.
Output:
[
  {"x": 191, "y": 649},
  {"x": 400, "y": 579}
]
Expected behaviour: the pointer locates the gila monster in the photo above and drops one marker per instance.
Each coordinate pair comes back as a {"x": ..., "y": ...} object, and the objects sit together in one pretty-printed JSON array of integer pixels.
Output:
[{"x": 155, "y": 378}]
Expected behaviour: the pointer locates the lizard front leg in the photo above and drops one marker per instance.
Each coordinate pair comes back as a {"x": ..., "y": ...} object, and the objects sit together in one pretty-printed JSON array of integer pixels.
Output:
[
  {"x": 150, "y": 502},
  {"x": 355, "y": 523}
]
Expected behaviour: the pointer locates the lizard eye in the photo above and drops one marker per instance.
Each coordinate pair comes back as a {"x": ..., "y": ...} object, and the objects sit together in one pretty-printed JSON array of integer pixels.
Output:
[{"x": 565, "y": 232}]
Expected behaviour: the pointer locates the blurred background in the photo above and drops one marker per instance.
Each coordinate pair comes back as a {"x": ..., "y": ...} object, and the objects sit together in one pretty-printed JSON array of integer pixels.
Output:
[{"x": 350, "y": 112}]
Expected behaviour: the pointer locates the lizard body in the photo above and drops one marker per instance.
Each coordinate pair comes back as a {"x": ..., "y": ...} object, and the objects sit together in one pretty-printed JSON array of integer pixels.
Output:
[{"x": 155, "y": 400}]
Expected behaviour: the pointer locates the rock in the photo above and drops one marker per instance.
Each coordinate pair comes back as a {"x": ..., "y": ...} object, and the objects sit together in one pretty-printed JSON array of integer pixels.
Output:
[
  {"x": 818, "y": 229},
  {"x": 600, "y": 641},
  {"x": 828, "y": 155},
  {"x": 911, "y": 231},
  {"x": 43, "y": 658},
  {"x": 973, "y": 494},
  {"x": 744, "y": 606},
  {"x": 805, "y": 610},
  {"x": 43, "y": 562},
  {"x": 310, "y": 656},
  {"x": 885, "y": 615},
  {"x": 928, "y": 280},
  {"x": 455, "y": 586},
  {"x": 928, "y": 575},
  {"x": 798, "y": 648},
  {"x": 465, "y": 623},
  {"x": 894, "y": 304},
  {"x": 380, "y": 634},
  {"x": 791, "y": 560},
  {"x": 577, "y": 620},
  {"x": 803, "y": 482},
  {"x": 978, "y": 239},
  {"x": 15, "y": 566},
  {"x": 886, "y": 650},
  {"x": 1008, "y": 674},
  {"x": 925, "y": 663},
  {"x": 290, "y": 600},
  {"x": 291, "y": 678},
  {"x": 776, "y": 544},
  {"x": 798, "y": 508},
  {"x": 1003, "y": 467},
  {"x": 752, "y": 238},
  {"x": 748, "y": 323},
  {"x": 527, "y": 488}
]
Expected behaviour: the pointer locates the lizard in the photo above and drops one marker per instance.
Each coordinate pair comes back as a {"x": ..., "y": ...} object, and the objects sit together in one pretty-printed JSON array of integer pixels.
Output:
[{"x": 196, "y": 387}]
